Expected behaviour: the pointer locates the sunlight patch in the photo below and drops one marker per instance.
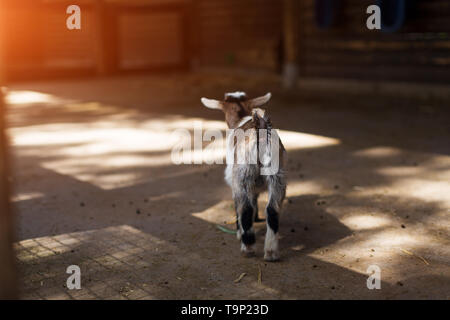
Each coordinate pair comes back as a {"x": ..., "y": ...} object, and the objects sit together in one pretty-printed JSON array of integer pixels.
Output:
[
  {"x": 365, "y": 221},
  {"x": 379, "y": 152},
  {"x": 26, "y": 97}
]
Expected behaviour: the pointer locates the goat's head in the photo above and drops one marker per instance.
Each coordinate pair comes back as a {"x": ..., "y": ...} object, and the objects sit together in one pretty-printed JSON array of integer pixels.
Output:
[{"x": 236, "y": 106}]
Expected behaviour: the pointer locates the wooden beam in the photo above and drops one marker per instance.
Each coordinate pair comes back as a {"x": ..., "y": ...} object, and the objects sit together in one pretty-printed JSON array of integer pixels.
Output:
[
  {"x": 290, "y": 40},
  {"x": 102, "y": 65}
]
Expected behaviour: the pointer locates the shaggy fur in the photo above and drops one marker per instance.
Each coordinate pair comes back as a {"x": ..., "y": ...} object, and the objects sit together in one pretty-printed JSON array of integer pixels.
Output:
[{"x": 245, "y": 178}]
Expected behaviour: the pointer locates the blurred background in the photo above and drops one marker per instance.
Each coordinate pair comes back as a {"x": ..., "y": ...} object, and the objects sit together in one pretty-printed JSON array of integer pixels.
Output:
[
  {"x": 327, "y": 41},
  {"x": 88, "y": 116}
]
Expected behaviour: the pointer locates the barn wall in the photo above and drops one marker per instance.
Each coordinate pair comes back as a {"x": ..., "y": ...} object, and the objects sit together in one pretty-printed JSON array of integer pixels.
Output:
[
  {"x": 239, "y": 33},
  {"x": 63, "y": 48},
  {"x": 150, "y": 39},
  {"x": 420, "y": 51},
  {"x": 115, "y": 36},
  {"x": 243, "y": 34}
]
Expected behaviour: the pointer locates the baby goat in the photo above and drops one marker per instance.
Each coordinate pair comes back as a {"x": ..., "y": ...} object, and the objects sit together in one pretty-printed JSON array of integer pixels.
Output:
[{"x": 248, "y": 178}]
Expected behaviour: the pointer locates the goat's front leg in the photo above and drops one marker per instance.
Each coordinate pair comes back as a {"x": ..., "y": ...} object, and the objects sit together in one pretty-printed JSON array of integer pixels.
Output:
[
  {"x": 245, "y": 215},
  {"x": 277, "y": 191}
]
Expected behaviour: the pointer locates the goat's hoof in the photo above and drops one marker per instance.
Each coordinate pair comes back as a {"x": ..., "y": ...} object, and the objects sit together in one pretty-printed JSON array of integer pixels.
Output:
[
  {"x": 247, "y": 251},
  {"x": 271, "y": 256},
  {"x": 248, "y": 254}
]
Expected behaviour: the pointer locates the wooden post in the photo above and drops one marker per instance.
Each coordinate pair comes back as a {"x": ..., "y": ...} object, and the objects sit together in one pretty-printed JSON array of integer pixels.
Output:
[
  {"x": 7, "y": 270},
  {"x": 290, "y": 33},
  {"x": 8, "y": 289},
  {"x": 102, "y": 63}
]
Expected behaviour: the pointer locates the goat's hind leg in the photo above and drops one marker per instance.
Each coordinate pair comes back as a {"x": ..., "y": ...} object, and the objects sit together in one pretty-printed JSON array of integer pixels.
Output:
[
  {"x": 245, "y": 214},
  {"x": 277, "y": 192}
]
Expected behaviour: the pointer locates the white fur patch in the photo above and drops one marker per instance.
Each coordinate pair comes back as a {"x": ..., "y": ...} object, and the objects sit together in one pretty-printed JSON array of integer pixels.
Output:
[
  {"x": 229, "y": 160},
  {"x": 244, "y": 120},
  {"x": 271, "y": 241},
  {"x": 236, "y": 94},
  {"x": 260, "y": 112},
  {"x": 229, "y": 174}
]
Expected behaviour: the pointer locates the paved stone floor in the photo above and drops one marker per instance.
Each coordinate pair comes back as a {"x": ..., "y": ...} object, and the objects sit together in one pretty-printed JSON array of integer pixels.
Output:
[{"x": 112, "y": 262}]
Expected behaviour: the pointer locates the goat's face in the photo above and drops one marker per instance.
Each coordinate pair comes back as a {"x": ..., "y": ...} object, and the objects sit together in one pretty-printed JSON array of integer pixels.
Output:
[{"x": 236, "y": 106}]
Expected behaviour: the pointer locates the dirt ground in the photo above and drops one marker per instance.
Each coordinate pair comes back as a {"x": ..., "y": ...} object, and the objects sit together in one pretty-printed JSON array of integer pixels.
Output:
[{"x": 94, "y": 186}]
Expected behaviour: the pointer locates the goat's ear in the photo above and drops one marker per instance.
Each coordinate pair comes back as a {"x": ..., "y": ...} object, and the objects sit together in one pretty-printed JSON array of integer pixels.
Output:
[
  {"x": 257, "y": 102},
  {"x": 212, "y": 104}
]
